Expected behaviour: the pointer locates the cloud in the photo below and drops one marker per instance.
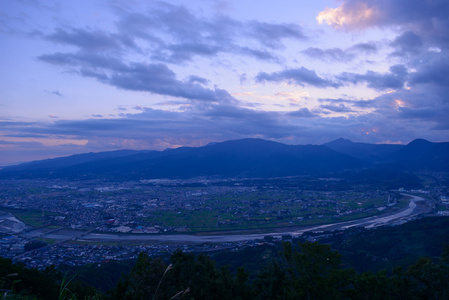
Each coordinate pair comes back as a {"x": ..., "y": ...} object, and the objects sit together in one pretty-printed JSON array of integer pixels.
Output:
[
  {"x": 155, "y": 78},
  {"x": 334, "y": 54},
  {"x": 341, "y": 55},
  {"x": 55, "y": 92},
  {"x": 422, "y": 113},
  {"x": 173, "y": 34},
  {"x": 302, "y": 113},
  {"x": 434, "y": 70},
  {"x": 422, "y": 25},
  {"x": 419, "y": 113},
  {"x": 366, "y": 48},
  {"x": 93, "y": 40},
  {"x": 272, "y": 35},
  {"x": 428, "y": 19},
  {"x": 243, "y": 79},
  {"x": 350, "y": 15},
  {"x": 408, "y": 43},
  {"x": 393, "y": 80},
  {"x": 341, "y": 108},
  {"x": 301, "y": 76},
  {"x": 422, "y": 46},
  {"x": 361, "y": 104},
  {"x": 165, "y": 34},
  {"x": 152, "y": 50},
  {"x": 213, "y": 122},
  {"x": 198, "y": 79},
  {"x": 22, "y": 135},
  {"x": 18, "y": 143},
  {"x": 259, "y": 54},
  {"x": 424, "y": 104},
  {"x": 223, "y": 122}
]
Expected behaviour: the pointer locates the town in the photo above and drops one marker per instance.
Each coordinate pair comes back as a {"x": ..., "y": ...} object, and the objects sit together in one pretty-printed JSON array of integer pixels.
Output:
[{"x": 73, "y": 209}]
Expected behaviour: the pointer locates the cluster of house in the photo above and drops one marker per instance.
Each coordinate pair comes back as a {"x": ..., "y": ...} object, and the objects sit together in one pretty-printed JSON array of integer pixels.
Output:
[{"x": 75, "y": 254}]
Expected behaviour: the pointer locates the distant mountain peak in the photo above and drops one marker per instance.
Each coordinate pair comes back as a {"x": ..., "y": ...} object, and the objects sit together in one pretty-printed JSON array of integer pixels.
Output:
[
  {"x": 343, "y": 140},
  {"x": 340, "y": 141},
  {"x": 372, "y": 152},
  {"x": 419, "y": 142}
]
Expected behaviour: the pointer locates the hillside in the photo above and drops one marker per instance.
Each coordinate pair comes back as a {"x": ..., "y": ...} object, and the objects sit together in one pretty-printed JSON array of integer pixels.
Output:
[
  {"x": 240, "y": 158},
  {"x": 250, "y": 158}
]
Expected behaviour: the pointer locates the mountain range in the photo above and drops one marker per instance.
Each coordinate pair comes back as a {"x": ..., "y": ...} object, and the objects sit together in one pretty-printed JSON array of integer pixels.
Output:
[{"x": 240, "y": 158}]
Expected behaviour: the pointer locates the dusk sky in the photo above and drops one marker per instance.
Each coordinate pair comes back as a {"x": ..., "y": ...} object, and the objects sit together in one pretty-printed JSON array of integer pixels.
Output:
[{"x": 90, "y": 76}]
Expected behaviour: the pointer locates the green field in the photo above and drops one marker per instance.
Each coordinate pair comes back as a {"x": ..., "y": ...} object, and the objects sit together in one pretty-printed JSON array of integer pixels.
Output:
[
  {"x": 217, "y": 218},
  {"x": 32, "y": 218}
]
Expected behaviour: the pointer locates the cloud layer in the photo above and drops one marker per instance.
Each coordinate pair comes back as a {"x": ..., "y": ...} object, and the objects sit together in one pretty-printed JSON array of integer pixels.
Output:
[{"x": 175, "y": 56}]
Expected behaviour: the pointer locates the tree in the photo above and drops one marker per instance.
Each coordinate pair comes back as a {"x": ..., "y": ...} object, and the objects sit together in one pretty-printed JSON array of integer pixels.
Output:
[
  {"x": 271, "y": 282},
  {"x": 429, "y": 280},
  {"x": 143, "y": 280},
  {"x": 314, "y": 272}
]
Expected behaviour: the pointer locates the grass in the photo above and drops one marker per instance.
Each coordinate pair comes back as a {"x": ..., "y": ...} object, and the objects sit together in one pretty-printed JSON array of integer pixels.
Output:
[
  {"x": 186, "y": 218},
  {"x": 402, "y": 202},
  {"x": 232, "y": 211},
  {"x": 427, "y": 180},
  {"x": 46, "y": 240},
  {"x": 97, "y": 243},
  {"x": 32, "y": 218}
]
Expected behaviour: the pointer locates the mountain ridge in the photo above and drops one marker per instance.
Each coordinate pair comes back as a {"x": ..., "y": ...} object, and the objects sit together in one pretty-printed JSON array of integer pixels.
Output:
[
  {"x": 363, "y": 150},
  {"x": 238, "y": 158}
]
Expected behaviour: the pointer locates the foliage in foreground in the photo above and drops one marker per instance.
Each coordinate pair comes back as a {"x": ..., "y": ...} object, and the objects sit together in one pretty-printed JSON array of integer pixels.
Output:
[
  {"x": 19, "y": 282},
  {"x": 310, "y": 271},
  {"x": 313, "y": 271}
]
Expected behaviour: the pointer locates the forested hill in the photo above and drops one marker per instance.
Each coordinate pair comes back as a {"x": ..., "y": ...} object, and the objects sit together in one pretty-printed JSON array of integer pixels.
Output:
[
  {"x": 240, "y": 158},
  {"x": 312, "y": 271},
  {"x": 303, "y": 270}
]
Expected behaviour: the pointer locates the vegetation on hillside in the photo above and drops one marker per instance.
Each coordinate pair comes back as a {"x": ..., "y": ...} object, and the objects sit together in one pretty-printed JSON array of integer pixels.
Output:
[{"x": 310, "y": 271}]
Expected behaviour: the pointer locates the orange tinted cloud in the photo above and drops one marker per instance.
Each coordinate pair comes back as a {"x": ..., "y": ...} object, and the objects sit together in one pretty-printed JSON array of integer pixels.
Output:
[
  {"x": 46, "y": 140},
  {"x": 356, "y": 16}
]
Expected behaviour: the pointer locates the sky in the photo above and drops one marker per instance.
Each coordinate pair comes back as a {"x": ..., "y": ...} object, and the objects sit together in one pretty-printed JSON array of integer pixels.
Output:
[{"x": 90, "y": 75}]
